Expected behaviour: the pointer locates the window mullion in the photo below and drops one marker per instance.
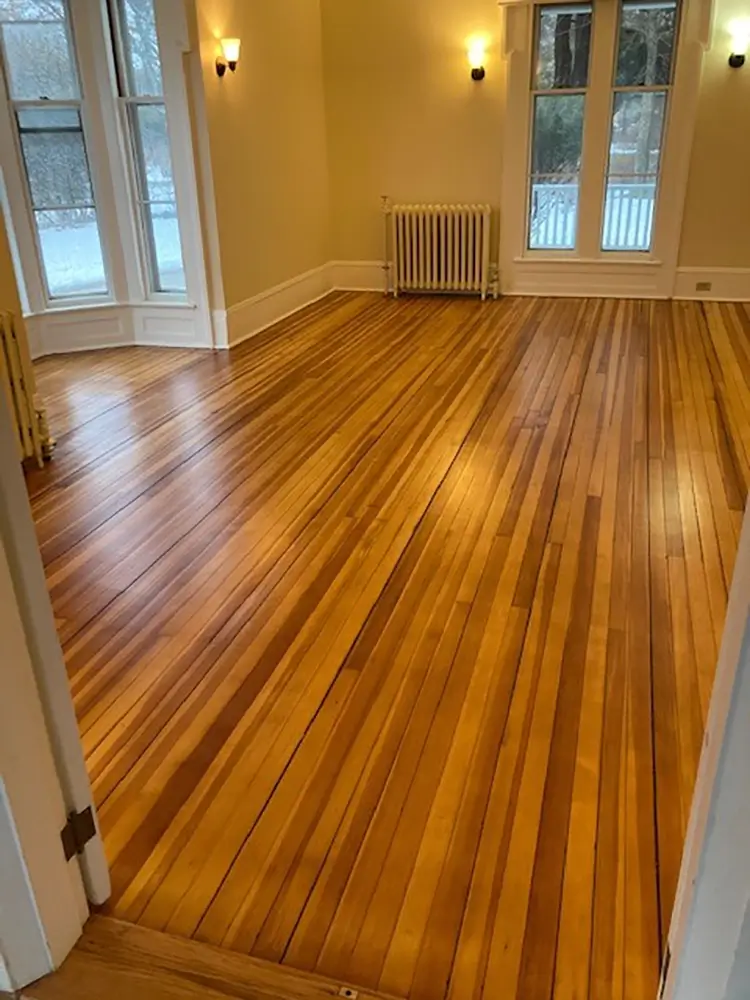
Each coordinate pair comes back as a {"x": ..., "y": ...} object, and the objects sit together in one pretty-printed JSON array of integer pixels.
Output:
[{"x": 596, "y": 128}]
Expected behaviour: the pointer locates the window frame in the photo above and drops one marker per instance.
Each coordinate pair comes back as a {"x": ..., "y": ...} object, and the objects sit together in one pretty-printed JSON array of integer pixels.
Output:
[
  {"x": 592, "y": 183},
  {"x": 534, "y": 92},
  {"x": 127, "y": 107},
  {"x": 592, "y": 272},
  {"x": 15, "y": 187},
  {"x": 667, "y": 89}
]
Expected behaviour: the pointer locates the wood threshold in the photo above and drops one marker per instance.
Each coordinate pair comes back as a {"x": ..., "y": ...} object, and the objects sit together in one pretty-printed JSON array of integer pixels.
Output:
[{"x": 119, "y": 961}]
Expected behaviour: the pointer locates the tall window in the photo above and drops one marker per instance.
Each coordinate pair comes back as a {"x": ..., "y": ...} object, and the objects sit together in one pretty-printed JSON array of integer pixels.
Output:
[
  {"x": 142, "y": 94},
  {"x": 621, "y": 188},
  {"x": 643, "y": 74},
  {"x": 41, "y": 77},
  {"x": 561, "y": 76}
]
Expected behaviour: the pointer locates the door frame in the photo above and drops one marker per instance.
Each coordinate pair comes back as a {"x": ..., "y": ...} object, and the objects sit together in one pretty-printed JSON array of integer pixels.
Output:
[{"x": 42, "y": 768}]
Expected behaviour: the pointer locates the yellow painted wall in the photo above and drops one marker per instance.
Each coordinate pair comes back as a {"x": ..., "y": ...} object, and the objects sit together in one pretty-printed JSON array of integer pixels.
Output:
[
  {"x": 267, "y": 140},
  {"x": 716, "y": 223},
  {"x": 404, "y": 116},
  {"x": 8, "y": 288}
]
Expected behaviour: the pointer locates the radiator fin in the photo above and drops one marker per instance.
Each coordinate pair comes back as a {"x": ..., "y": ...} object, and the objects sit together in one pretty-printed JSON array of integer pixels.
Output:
[
  {"x": 442, "y": 248},
  {"x": 17, "y": 381}
]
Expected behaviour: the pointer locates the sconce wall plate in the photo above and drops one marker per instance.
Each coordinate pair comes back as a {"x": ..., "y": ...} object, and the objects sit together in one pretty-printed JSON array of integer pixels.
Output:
[
  {"x": 478, "y": 73},
  {"x": 737, "y": 59}
]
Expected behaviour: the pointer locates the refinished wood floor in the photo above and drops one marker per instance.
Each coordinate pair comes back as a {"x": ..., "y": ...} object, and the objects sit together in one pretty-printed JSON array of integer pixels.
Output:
[{"x": 392, "y": 633}]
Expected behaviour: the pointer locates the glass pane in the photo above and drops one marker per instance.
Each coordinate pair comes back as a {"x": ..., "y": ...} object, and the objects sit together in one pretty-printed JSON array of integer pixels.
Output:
[
  {"x": 58, "y": 119},
  {"x": 71, "y": 252},
  {"x": 553, "y": 213},
  {"x": 152, "y": 143},
  {"x": 32, "y": 10},
  {"x": 141, "y": 47},
  {"x": 56, "y": 165},
  {"x": 647, "y": 34},
  {"x": 637, "y": 125},
  {"x": 563, "y": 42},
  {"x": 39, "y": 62},
  {"x": 558, "y": 134},
  {"x": 635, "y": 149},
  {"x": 167, "y": 250}
]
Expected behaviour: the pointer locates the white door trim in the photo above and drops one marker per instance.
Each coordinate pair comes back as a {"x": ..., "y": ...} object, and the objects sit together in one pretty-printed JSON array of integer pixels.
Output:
[
  {"x": 42, "y": 898},
  {"x": 21, "y": 549}
]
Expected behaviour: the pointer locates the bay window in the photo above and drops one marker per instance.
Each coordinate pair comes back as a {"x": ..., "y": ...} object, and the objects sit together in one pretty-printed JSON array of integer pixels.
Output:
[{"x": 98, "y": 177}]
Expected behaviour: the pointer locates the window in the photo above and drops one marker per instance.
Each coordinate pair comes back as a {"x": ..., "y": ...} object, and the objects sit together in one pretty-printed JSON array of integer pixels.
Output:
[
  {"x": 42, "y": 83},
  {"x": 643, "y": 73},
  {"x": 616, "y": 185},
  {"x": 141, "y": 91},
  {"x": 563, "y": 39}
]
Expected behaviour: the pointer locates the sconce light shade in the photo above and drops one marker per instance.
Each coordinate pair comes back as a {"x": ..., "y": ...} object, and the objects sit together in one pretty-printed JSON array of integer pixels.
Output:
[
  {"x": 476, "y": 53},
  {"x": 740, "y": 33},
  {"x": 230, "y": 55}
]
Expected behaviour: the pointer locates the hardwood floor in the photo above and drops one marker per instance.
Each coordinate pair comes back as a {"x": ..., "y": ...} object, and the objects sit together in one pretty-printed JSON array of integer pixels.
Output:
[{"x": 392, "y": 633}]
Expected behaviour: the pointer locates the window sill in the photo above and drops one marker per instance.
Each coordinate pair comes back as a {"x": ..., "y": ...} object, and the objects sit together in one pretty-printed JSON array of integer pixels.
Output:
[{"x": 543, "y": 257}]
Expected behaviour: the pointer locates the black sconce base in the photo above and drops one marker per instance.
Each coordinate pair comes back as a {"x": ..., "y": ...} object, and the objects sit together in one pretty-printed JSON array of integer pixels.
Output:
[
  {"x": 737, "y": 59},
  {"x": 478, "y": 73}
]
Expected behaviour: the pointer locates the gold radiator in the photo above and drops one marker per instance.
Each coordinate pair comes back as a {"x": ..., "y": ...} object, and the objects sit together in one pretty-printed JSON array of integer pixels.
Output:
[
  {"x": 17, "y": 382},
  {"x": 440, "y": 248}
]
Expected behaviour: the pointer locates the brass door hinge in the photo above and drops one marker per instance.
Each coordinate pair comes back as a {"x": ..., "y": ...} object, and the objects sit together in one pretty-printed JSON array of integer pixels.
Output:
[{"x": 77, "y": 832}]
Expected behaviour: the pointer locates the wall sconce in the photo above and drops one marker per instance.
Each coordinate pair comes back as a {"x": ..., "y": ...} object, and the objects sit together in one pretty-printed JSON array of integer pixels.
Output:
[
  {"x": 740, "y": 32},
  {"x": 230, "y": 55},
  {"x": 476, "y": 53}
]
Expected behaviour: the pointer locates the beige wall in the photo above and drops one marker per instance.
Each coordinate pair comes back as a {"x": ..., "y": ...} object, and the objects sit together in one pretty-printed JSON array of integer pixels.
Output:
[
  {"x": 716, "y": 223},
  {"x": 267, "y": 140},
  {"x": 8, "y": 288},
  {"x": 404, "y": 116}
]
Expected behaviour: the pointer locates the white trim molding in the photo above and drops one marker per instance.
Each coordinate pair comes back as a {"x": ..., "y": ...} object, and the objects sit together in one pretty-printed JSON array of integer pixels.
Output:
[
  {"x": 88, "y": 328},
  {"x": 727, "y": 284},
  {"x": 246, "y": 319},
  {"x": 358, "y": 275},
  {"x": 584, "y": 279}
]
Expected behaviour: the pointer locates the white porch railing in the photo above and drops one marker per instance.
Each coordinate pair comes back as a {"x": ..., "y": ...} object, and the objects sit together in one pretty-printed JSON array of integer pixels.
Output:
[{"x": 628, "y": 216}]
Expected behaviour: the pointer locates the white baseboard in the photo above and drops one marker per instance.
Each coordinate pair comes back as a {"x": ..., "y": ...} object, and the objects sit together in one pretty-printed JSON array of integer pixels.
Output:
[
  {"x": 728, "y": 284},
  {"x": 221, "y": 330},
  {"x": 584, "y": 279},
  {"x": 246, "y": 319},
  {"x": 357, "y": 275},
  {"x": 90, "y": 328},
  {"x": 61, "y": 331},
  {"x": 170, "y": 326}
]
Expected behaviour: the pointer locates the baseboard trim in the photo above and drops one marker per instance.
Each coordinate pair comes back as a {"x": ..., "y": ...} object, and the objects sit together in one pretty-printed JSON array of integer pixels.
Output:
[
  {"x": 63, "y": 331},
  {"x": 156, "y": 325},
  {"x": 90, "y": 328},
  {"x": 249, "y": 318},
  {"x": 357, "y": 275},
  {"x": 728, "y": 284},
  {"x": 584, "y": 279}
]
